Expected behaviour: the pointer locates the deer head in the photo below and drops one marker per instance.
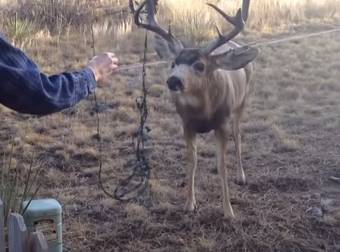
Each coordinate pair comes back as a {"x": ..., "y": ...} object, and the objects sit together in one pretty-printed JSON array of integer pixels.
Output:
[{"x": 192, "y": 67}]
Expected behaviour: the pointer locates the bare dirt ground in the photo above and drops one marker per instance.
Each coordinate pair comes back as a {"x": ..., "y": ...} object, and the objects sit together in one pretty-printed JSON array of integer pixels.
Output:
[{"x": 291, "y": 142}]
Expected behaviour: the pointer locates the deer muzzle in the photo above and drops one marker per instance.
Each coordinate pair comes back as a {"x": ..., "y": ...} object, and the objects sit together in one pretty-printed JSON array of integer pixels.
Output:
[{"x": 175, "y": 84}]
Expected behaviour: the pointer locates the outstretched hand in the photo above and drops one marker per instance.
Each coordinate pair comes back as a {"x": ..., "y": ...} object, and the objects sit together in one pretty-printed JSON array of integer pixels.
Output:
[{"x": 103, "y": 66}]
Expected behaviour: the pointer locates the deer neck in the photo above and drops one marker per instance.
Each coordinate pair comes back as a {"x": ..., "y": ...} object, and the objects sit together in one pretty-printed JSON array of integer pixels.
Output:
[{"x": 204, "y": 99}]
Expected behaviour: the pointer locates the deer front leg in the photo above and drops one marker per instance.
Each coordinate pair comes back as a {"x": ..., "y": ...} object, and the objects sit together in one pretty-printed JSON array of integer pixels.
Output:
[
  {"x": 241, "y": 177},
  {"x": 221, "y": 139},
  {"x": 190, "y": 138}
]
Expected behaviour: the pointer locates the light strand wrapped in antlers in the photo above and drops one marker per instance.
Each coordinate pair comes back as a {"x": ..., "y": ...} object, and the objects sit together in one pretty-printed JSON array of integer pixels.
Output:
[{"x": 175, "y": 45}]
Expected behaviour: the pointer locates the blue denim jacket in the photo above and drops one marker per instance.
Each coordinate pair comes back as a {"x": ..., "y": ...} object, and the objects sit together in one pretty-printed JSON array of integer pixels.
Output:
[{"x": 24, "y": 88}]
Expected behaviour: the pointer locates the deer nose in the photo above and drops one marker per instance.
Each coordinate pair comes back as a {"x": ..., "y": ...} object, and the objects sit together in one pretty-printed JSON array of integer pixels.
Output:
[{"x": 174, "y": 83}]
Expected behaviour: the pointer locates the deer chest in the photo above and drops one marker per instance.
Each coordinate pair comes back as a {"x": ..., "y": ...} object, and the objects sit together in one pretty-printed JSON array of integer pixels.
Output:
[{"x": 204, "y": 124}]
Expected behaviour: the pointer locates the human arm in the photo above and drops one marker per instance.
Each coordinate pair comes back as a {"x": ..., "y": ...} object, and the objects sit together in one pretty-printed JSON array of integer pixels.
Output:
[{"x": 24, "y": 88}]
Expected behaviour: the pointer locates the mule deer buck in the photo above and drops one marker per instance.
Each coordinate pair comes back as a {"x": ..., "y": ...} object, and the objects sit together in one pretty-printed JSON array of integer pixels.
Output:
[{"x": 208, "y": 88}]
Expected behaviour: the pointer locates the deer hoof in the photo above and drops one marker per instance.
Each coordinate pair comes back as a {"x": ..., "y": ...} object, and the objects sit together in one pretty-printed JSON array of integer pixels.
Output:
[
  {"x": 240, "y": 182},
  {"x": 190, "y": 206},
  {"x": 229, "y": 214}
]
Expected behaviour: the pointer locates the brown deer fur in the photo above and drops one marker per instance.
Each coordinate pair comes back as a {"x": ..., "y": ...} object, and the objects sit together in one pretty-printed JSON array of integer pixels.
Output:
[{"x": 209, "y": 87}]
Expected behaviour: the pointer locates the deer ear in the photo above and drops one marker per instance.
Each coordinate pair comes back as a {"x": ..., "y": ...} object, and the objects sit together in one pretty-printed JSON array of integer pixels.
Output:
[
  {"x": 164, "y": 49},
  {"x": 236, "y": 58}
]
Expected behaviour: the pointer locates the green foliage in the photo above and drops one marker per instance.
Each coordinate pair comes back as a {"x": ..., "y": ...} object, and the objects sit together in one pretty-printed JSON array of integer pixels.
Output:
[
  {"x": 16, "y": 186},
  {"x": 20, "y": 30}
]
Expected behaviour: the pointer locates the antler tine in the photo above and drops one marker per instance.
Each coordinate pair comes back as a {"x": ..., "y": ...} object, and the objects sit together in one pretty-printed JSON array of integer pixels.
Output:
[
  {"x": 175, "y": 45},
  {"x": 152, "y": 24},
  {"x": 223, "y": 14},
  {"x": 237, "y": 21},
  {"x": 245, "y": 10},
  {"x": 132, "y": 6}
]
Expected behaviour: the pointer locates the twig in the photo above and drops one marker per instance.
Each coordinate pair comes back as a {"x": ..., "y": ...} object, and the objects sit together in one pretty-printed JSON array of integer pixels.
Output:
[{"x": 93, "y": 41}]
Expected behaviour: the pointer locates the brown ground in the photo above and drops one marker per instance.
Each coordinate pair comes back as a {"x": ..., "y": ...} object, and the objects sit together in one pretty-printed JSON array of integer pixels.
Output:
[{"x": 291, "y": 146}]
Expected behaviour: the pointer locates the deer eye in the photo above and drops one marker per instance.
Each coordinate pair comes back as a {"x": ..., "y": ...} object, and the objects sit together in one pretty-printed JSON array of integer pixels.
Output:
[{"x": 199, "y": 66}]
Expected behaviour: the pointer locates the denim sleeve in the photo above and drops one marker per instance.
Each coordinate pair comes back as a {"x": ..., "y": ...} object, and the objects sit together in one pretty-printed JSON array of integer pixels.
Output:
[{"x": 24, "y": 88}]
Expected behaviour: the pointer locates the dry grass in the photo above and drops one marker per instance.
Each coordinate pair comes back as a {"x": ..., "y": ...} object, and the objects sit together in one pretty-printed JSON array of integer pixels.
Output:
[
  {"x": 291, "y": 141},
  {"x": 291, "y": 121},
  {"x": 196, "y": 19},
  {"x": 193, "y": 18}
]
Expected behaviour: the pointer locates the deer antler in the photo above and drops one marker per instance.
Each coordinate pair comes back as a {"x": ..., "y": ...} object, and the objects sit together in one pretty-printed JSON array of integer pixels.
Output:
[
  {"x": 237, "y": 21},
  {"x": 174, "y": 44}
]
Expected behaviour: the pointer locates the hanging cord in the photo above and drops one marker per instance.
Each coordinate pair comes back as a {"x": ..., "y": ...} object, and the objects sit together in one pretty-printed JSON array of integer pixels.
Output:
[
  {"x": 98, "y": 134},
  {"x": 252, "y": 44},
  {"x": 136, "y": 185},
  {"x": 294, "y": 38}
]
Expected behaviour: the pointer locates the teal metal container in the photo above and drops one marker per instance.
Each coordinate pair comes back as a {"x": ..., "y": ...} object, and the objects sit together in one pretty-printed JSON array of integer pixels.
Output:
[{"x": 45, "y": 215}]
